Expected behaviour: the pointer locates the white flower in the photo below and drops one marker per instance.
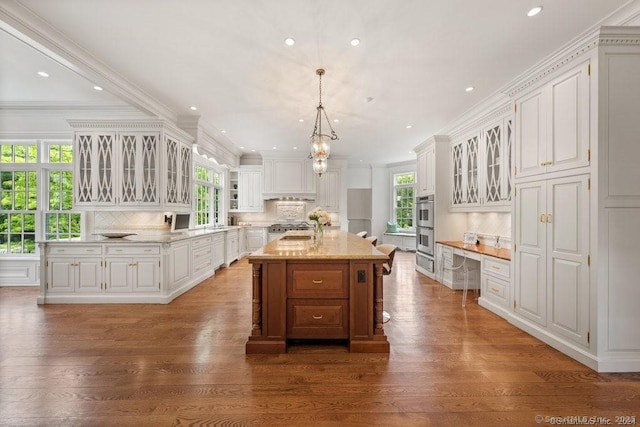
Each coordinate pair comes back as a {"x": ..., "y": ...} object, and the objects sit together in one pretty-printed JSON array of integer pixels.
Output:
[{"x": 320, "y": 216}]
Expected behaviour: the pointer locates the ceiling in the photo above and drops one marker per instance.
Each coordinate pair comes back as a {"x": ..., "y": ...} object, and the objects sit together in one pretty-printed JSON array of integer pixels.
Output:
[{"x": 403, "y": 83}]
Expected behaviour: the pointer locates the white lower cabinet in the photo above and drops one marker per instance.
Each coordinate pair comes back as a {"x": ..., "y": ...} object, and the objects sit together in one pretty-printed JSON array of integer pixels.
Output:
[
  {"x": 132, "y": 268},
  {"x": 202, "y": 256},
  {"x": 255, "y": 239},
  {"x": 444, "y": 259},
  {"x": 68, "y": 274},
  {"x": 218, "y": 250},
  {"x": 233, "y": 246},
  {"x": 551, "y": 260},
  {"x": 179, "y": 268},
  {"x": 495, "y": 284},
  {"x": 403, "y": 242}
]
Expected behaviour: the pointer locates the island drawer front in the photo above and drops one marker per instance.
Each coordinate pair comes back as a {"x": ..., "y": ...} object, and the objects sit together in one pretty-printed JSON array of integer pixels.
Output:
[
  {"x": 132, "y": 250},
  {"x": 318, "y": 281},
  {"x": 313, "y": 318},
  {"x": 496, "y": 267},
  {"x": 75, "y": 250}
]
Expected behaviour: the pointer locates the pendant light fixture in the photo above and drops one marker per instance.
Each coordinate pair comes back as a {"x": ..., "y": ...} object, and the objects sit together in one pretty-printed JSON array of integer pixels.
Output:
[{"x": 321, "y": 143}]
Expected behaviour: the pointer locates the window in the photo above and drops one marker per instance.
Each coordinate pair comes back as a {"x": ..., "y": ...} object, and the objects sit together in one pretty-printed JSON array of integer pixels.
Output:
[
  {"x": 25, "y": 176},
  {"x": 403, "y": 197},
  {"x": 208, "y": 192}
]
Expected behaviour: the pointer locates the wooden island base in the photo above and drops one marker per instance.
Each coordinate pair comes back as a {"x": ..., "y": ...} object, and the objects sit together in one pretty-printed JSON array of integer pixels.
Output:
[{"x": 305, "y": 292}]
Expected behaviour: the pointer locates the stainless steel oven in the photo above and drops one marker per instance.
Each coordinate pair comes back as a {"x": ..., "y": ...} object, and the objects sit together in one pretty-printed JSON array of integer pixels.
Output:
[
  {"x": 424, "y": 241},
  {"x": 425, "y": 262},
  {"x": 424, "y": 211}
]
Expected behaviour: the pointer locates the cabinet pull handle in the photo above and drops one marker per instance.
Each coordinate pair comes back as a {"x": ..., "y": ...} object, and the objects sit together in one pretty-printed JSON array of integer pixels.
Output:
[
  {"x": 494, "y": 289},
  {"x": 147, "y": 250},
  {"x": 317, "y": 317},
  {"x": 118, "y": 250},
  {"x": 495, "y": 267},
  {"x": 543, "y": 218},
  {"x": 317, "y": 282},
  {"x": 133, "y": 264},
  {"x": 549, "y": 218}
]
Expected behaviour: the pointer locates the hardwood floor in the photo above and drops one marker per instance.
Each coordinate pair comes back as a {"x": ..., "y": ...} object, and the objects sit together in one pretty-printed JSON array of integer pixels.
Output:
[{"x": 184, "y": 364}]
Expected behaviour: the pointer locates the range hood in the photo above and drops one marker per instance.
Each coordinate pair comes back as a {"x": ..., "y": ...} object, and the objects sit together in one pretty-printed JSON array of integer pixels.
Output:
[{"x": 289, "y": 196}]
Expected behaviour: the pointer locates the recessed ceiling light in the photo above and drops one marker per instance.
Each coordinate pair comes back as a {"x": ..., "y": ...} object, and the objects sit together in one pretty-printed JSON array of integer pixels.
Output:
[
  {"x": 336, "y": 120},
  {"x": 409, "y": 126},
  {"x": 98, "y": 88},
  {"x": 533, "y": 12},
  {"x": 223, "y": 131},
  {"x": 242, "y": 148},
  {"x": 301, "y": 120},
  {"x": 43, "y": 74},
  {"x": 289, "y": 41},
  {"x": 275, "y": 148},
  {"x": 295, "y": 148},
  {"x": 469, "y": 89},
  {"x": 355, "y": 42},
  {"x": 193, "y": 108},
  {"x": 253, "y": 151}
]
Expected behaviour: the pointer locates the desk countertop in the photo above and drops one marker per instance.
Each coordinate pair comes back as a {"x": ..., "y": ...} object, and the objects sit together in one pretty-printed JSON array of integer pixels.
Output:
[{"x": 501, "y": 253}]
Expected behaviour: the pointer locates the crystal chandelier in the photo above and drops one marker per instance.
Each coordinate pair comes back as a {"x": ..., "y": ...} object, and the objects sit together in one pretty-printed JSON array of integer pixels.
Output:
[{"x": 321, "y": 143}]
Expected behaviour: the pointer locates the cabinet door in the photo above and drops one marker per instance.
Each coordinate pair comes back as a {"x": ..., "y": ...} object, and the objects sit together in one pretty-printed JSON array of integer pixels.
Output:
[
  {"x": 531, "y": 134},
  {"x": 146, "y": 275},
  {"x": 94, "y": 168},
  {"x": 250, "y": 189},
  {"x": 328, "y": 191},
  {"x": 172, "y": 155},
  {"x": 254, "y": 240},
  {"x": 457, "y": 197},
  {"x": 89, "y": 274},
  {"x": 530, "y": 254},
  {"x": 118, "y": 278},
  {"x": 218, "y": 250},
  {"x": 492, "y": 163},
  {"x": 430, "y": 173},
  {"x": 567, "y": 224},
  {"x": 61, "y": 275},
  {"x": 472, "y": 170},
  {"x": 180, "y": 261},
  {"x": 568, "y": 123},
  {"x": 186, "y": 166},
  {"x": 139, "y": 171},
  {"x": 421, "y": 173}
]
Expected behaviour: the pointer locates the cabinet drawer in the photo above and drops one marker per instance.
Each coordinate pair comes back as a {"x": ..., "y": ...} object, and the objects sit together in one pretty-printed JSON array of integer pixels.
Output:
[
  {"x": 318, "y": 281},
  {"x": 496, "y": 267},
  {"x": 495, "y": 289},
  {"x": 316, "y": 318},
  {"x": 75, "y": 250},
  {"x": 132, "y": 250},
  {"x": 202, "y": 242}
]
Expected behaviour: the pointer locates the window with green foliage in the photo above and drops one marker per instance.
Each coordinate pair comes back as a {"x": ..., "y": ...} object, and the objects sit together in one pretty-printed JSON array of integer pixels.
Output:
[
  {"x": 403, "y": 197},
  {"x": 32, "y": 188},
  {"x": 208, "y": 191}
]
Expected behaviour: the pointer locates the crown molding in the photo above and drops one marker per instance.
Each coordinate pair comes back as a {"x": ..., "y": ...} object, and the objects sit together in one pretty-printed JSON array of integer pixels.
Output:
[
  {"x": 142, "y": 125},
  {"x": 23, "y": 24}
]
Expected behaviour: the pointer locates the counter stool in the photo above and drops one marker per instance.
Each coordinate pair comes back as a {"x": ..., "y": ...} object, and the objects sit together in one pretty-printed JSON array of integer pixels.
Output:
[
  {"x": 389, "y": 250},
  {"x": 361, "y": 234},
  {"x": 461, "y": 268},
  {"x": 372, "y": 239}
]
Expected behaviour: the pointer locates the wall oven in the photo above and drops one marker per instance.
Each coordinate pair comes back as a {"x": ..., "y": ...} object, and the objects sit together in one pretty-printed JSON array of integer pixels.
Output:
[
  {"x": 425, "y": 243},
  {"x": 424, "y": 211}
]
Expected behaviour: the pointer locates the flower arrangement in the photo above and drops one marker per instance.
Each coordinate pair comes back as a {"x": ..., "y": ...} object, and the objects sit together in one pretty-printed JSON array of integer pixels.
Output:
[{"x": 321, "y": 218}]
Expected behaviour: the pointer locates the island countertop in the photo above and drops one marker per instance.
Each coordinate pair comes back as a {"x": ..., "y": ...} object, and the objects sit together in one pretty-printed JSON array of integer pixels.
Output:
[{"x": 336, "y": 245}]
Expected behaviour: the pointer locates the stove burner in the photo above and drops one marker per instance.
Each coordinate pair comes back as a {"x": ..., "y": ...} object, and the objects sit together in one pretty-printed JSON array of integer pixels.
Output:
[{"x": 281, "y": 228}]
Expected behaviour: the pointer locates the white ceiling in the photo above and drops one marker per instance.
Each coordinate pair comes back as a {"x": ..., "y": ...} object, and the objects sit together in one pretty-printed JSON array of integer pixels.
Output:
[{"x": 228, "y": 58}]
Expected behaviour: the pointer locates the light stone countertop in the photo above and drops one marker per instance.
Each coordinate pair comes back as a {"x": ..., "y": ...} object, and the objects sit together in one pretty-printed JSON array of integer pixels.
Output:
[{"x": 335, "y": 245}]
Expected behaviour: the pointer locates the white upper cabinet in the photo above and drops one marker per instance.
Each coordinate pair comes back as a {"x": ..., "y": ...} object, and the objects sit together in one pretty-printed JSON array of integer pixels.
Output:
[
  {"x": 94, "y": 168},
  {"x": 284, "y": 176},
  {"x": 250, "y": 189},
  {"x": 118, "y": 165},
  {"x": 139, "y": 169},
  {"x": 328, "y": 190},
  {"x": 552, "y": 125},
  {"x": 426, "y": 171},
  {"x": 481, "y": 168}
]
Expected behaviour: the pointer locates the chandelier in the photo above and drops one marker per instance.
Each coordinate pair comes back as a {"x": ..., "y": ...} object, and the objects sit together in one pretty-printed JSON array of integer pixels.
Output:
[{"x": 320, "y": 142}]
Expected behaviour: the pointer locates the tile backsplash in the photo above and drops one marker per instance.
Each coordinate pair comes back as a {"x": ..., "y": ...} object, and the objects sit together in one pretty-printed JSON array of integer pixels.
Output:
[
  {"x": 490, "y": 225},
  {"x": 126, "y": 221}
]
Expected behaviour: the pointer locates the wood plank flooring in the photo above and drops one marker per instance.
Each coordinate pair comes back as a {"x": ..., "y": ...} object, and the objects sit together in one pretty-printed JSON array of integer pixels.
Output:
[{"x": 184, "y": 364}]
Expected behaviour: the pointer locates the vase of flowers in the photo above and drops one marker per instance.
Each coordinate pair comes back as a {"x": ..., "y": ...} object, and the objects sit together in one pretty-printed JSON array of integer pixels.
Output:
[{"x": 320, "y": 219}]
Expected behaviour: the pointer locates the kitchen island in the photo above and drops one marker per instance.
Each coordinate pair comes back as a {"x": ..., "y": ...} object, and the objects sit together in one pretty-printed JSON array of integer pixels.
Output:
[{"x": 310, "y": 291}]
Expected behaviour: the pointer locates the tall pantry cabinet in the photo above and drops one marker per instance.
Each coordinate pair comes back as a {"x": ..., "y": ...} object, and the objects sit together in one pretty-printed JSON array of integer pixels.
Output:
[{"x": 577, "y": 200}]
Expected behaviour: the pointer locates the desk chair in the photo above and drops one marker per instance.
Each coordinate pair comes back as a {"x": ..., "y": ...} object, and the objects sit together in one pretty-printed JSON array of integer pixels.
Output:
[
  {"x": 362, "y": 234},
  {"x": 372, "y": 239},
  {"x": 461, "y": 268},
  {"x": 389, "y": 250}
]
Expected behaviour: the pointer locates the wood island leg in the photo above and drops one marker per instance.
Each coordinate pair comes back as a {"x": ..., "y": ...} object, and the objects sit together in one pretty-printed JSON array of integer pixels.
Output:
[
  {"x": 378, "y": 301},
  {"x": 256, "y": 327}
]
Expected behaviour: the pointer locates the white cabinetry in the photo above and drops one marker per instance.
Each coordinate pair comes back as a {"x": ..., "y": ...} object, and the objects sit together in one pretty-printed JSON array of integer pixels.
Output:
[
  {"x": 552, "y": 132},
  {"x": 74, "y": 269},
  {"x": 481, "y": 168},
  {"x": 249, "y": 191},
  {"x": 180, "y": 257},
  {"x": 284, "y": 176},
  {"x": 218, "y": 249},
  {"x": 132, "y": 268},
  {"x": 426, "y": 171},
  {"x": 495, "y": 284},
  {"x": 202, "y": 256},
  {"x": 552, "y": 225},
  {"x": 255, "y": 239},
  {"x": 139, "y": 169},
  {"x": 118, "y": 163},
  {"x": 94, "y": 165},
  {"x": 232, "y": 246},
  {"x": 328, "y": 188}
]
